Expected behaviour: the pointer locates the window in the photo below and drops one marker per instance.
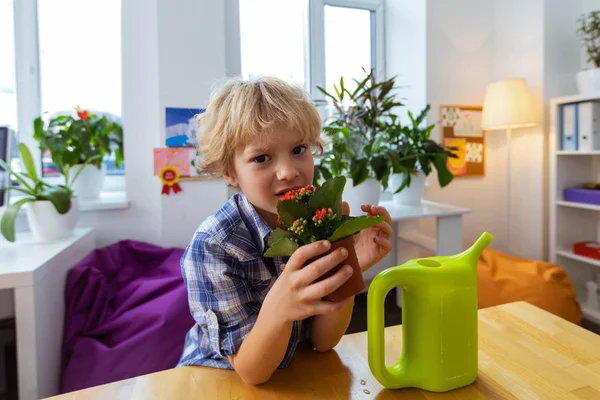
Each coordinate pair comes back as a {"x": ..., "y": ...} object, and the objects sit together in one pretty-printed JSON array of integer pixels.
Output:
[
  {"x": 311, "y": 42},
  {"x": 71, "y": 57},
  {"x": 88, "y": 74},
  {"x": 8, "y": 92},
  {"x": 348, "y": 51},
  {"x": 273, "y": 39}
]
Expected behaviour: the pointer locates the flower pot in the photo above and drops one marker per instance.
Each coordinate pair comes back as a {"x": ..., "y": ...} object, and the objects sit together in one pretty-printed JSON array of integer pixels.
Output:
[
  {"x": 588, "y": 81},
  {"x": 411, "y": 195},
  {"x": 46, "y": 224},
  {"x": 90, "y": 182},
  {"x": 366, "y": 192},
  {"x": 355, "y": 284}
]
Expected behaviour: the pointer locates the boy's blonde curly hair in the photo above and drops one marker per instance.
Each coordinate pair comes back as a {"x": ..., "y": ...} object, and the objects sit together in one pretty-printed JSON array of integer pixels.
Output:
[{"x": 240, "y": 111}]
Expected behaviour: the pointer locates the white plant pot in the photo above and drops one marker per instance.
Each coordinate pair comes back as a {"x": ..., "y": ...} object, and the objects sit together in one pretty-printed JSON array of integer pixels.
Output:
[
  {"x": 89, "y": 183},
  {"x": 411, "y": 195},
  {"x": 366, "y": 192},
  {"x": 588, "y": 81},
  {"x": 46, "y": 224}
]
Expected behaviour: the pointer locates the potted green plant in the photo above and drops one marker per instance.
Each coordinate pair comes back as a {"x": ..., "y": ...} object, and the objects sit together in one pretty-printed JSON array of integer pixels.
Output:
[
  {"x": 73, "y": 140},
  {"x": 412, "y": 157},
  {"x": 588, "y": 80},
  {"x": 369, "y": 143},
  {"x": 52, "y": 209},
  {"x": 311, "y": 213},
  {"x": 356, "y": 131}
]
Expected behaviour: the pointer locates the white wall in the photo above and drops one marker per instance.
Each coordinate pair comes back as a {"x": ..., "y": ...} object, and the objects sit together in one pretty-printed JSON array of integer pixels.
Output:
[
  {"x": 173, "y": 52},
  {"x": 471, "y": 43}
]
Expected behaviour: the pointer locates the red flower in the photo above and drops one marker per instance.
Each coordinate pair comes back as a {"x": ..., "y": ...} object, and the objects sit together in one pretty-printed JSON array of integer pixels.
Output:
[
  {"x": 298, "y": 194},
  {"x": 320, "y": 214},
  {"x": 82, "y": 114}
]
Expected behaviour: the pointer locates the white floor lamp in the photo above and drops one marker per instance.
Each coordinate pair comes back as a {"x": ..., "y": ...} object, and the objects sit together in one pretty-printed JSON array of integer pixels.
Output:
[{"x": 508, "y": 105}]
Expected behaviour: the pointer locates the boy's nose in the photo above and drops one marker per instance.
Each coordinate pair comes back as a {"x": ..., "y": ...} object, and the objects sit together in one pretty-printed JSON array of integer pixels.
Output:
[{"x": 287, "y": 171}]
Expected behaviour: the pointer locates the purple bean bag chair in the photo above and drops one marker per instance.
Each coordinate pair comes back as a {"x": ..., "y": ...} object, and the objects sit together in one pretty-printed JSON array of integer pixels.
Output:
[{"x": 126, "y": 314}]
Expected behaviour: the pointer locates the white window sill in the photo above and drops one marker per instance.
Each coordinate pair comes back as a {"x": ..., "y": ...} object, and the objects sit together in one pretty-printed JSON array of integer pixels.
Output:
[{"x": 106, "y": 201}]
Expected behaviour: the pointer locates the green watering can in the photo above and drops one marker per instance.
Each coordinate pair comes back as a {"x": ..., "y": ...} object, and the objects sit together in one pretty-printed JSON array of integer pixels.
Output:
[{"x": 439, "y": 321}]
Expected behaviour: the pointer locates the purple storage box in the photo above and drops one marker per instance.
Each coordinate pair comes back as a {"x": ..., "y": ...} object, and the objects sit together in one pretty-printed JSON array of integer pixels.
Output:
[{"x": 581, "y": 195}]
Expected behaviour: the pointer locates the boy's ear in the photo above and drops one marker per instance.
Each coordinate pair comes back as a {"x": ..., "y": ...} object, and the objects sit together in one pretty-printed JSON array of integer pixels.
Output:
[{"x": 230, "y": 177}]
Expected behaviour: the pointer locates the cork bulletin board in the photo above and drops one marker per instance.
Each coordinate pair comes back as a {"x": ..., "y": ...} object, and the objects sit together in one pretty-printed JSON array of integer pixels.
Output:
[{"x": 460, "y": 127}]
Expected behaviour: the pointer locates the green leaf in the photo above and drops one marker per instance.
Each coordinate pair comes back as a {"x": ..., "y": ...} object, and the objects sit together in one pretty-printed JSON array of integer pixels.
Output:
[
  {"x": 379, "y": 164},
  {"x": 59, "y": 197},
  {"x": 7, "y": 225},
  {"x": 28, "y": 162},
  {"x": 328, "y": 195},
  {"x": 358, "y": 170},
  {"x": 354, "y": 225},
  {"x": 6, "y": 167},
  {"x": 278, "y": 234},
  {"x": 290, "y": 210},
  {"x": 281, "y": 248},
  {"x": 444, "y": 175}
]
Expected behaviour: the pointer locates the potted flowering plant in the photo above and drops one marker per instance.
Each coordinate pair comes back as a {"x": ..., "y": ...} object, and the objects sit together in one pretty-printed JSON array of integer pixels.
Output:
[
  {"x": 311, "y": 213},
  {"x": 80, "y": 141}
]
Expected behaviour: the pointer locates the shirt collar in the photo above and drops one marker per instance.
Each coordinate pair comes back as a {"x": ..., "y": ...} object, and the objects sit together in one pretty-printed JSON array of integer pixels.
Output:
[{"x": 262, "y": 229}]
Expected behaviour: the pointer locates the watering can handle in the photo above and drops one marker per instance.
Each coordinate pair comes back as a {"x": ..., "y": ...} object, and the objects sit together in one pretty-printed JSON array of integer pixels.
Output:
[{"x": 379, "y": 288}]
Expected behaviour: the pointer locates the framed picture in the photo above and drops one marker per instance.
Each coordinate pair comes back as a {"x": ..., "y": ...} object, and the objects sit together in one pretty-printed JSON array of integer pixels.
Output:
[
  {"x": 181, "y": 126},
  {"x": 460, "y": 127}
]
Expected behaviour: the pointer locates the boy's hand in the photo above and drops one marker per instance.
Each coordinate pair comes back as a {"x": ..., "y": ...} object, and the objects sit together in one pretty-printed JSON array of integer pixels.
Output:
[
  {"x": 372, "y": 244},
  {"x": 296, "y": 296}
]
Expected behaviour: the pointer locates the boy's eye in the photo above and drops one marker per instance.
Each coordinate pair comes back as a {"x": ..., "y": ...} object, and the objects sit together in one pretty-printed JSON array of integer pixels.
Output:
[
  {"x": 261, "y": 159},
  {"x": 299, "y": 150}
]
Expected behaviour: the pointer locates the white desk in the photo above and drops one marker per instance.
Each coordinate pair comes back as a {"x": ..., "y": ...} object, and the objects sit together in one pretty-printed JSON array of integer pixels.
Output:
[
  {"x": 37, "y": 274},
  {"x": 447, "y": 241}
]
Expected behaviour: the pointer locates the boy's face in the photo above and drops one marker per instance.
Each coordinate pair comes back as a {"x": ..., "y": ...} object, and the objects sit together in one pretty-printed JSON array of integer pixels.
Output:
[{"x": 264, "y": 170}]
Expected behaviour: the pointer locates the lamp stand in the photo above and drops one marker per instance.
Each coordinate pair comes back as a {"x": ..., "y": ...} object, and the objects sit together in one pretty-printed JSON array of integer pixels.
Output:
[{"x": 508, "y": 173}]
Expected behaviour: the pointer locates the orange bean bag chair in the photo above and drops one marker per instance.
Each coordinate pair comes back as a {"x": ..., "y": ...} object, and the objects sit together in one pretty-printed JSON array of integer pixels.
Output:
[{"x": 504, "y": 279}]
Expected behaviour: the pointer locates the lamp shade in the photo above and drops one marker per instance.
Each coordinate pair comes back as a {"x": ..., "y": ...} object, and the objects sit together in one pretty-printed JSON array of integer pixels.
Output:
[{"x": 508, "y": 104}]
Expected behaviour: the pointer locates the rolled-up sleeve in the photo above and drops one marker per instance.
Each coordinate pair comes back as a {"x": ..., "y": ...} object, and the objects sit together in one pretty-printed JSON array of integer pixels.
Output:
[{"x": 220, "y": 297}]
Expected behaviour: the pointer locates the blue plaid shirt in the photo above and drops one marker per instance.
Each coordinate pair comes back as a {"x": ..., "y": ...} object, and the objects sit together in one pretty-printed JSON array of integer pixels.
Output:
[{"x": 227, "y": 282}]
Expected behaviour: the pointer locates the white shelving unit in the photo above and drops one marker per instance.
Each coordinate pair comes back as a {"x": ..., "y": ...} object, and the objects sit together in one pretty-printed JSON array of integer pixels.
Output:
[{"x": 572, "y": 222}]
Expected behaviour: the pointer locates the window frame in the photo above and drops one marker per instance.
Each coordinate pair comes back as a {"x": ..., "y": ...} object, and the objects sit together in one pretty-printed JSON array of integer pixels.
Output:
[
  {"x": 317, "y": 38},
  {"x": 29, "y": 99}
]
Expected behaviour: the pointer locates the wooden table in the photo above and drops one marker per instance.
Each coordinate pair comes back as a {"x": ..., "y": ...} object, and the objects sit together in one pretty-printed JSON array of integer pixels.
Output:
[{"x": 524, "y": 353}]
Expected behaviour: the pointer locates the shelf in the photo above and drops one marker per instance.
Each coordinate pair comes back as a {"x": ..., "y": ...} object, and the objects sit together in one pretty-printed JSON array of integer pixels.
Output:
[
  {"x": 573, "y": 256},
  {"x": 590, "y": 314},
  {"x": 574, "y": 204},
  {"x": 578, "y": 153}
]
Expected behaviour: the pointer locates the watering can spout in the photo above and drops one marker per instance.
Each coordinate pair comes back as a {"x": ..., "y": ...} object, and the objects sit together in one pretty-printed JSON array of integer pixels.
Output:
[{"x": 472, "y": 253}]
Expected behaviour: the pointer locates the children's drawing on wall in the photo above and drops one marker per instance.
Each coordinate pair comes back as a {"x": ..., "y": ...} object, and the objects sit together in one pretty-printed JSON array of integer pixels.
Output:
[
  {"x": 461, "y": 128},
  {"x": 182, "y": 126}
]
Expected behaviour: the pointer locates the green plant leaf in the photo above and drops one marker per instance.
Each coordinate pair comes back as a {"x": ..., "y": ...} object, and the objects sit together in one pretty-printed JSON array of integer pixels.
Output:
[
  {"x": 328, "y": 195},
  {"x": 444, "y": 175},
  {"x": 278, "y": 234},
  {"x": 7, "y": 225},
  {"x": 19, "y": 177},
  {"x": 380, "y": 166},
  {"x": 353, "y": 226},
  {"x": 59, "y": 197},
  {"x": 28, "y": 162},
  {"x": 358, "y": 170},
  {"x": 290, "y": 210},
  {"x": 281, "y": 248}
]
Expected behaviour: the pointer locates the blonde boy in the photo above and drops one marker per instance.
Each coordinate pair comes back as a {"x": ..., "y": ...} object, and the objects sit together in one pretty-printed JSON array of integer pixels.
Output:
[{"x": 252, "y": 312}]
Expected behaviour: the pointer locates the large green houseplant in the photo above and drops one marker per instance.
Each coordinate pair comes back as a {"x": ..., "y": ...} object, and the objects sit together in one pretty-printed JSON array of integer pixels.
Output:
[
  {"x": 357, "y": 130},
  {"x": 368, "y": 139},
  {"x": 80, "y": 141}
]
